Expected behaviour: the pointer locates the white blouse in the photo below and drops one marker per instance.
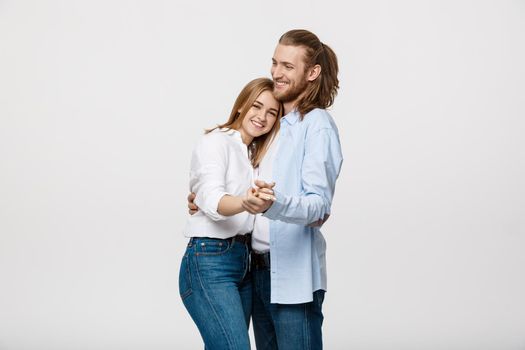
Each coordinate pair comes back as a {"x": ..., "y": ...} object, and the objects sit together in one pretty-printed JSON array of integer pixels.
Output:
[
  {"x": 219, "y": 166},
  {"x": 261, "y": 228}
]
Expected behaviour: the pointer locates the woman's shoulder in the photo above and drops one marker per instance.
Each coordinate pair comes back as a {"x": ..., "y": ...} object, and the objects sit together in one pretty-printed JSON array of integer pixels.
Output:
[
  {"x": 216, "y": 138},
  {"x": 215, "y": 135}
]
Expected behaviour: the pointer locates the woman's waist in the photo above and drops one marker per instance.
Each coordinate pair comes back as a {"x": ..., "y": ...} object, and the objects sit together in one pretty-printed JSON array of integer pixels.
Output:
[{"x": 202, "y": 226}]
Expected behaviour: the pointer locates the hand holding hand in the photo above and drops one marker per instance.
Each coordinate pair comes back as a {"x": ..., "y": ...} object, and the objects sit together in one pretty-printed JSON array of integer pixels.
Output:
[{"x": 257, "y": 201}]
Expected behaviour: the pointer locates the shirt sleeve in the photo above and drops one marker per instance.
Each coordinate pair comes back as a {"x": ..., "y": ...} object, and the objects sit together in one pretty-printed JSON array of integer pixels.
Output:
[
  {"x": 321, "y": 166},
  {"x": 207, "y": 175}
]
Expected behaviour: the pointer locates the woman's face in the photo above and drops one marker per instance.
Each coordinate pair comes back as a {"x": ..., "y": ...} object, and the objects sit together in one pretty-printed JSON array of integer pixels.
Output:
[{"x": 260, "y": 118}]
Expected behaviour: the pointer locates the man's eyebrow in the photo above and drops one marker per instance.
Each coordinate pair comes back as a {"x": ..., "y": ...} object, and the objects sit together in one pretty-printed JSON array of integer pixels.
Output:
[{"x": 283, "y": 62}]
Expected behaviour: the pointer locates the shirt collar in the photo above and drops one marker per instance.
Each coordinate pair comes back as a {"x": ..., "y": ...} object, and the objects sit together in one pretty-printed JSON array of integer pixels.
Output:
[{"x": 292, "y": 117}]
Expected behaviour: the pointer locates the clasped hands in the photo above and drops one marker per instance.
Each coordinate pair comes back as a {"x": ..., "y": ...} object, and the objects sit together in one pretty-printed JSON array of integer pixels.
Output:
[{"x": 258, "y": 199}]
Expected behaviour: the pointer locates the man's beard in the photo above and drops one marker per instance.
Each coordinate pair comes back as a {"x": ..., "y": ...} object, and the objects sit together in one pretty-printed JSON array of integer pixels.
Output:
[{"x": 293, "y": 93}]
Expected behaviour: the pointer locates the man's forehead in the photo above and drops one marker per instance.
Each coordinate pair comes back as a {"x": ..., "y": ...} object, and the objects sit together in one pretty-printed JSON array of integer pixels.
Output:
[{"x": 289, "y": 53}]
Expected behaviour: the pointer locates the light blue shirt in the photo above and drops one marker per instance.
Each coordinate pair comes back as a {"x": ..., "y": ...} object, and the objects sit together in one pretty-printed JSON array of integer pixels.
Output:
[{"x": 305, "y": 170}]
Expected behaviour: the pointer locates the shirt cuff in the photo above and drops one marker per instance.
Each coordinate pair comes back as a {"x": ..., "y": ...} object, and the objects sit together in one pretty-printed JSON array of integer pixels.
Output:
[
  {"x": 210, "y": 205},
  {"x": 277, "y": 207}
]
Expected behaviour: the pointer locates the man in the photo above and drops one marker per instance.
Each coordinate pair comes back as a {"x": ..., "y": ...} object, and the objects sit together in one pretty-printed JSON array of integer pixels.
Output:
[{"x": 288, "y": 259}]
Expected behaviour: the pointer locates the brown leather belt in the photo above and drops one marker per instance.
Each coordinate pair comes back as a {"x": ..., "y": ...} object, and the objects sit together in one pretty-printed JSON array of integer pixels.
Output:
[{"x": 244, "y": 239}]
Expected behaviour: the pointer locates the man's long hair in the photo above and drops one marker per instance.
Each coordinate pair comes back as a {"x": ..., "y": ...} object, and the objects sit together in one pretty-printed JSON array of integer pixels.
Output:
[{"x": 321, "y": 92}]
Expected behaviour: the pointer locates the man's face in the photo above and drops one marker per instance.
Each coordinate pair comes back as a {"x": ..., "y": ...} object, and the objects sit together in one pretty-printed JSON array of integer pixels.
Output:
[{"x": 288, "y": 72}]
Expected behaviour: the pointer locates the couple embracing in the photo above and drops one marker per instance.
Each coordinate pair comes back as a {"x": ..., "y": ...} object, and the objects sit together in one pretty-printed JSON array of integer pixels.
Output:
[{"x": 262, "y": 185}]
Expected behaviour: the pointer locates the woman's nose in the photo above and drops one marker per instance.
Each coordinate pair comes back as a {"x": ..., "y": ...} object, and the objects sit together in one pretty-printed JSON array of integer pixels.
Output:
[{"x": 262, "y": 114}]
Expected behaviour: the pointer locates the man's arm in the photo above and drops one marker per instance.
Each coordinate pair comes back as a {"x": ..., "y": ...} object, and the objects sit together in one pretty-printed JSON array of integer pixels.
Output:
[
  {"x": 319, "y": 222},
  {"x": 254, "y": 204},
  {"x": 320, "y": 169}
]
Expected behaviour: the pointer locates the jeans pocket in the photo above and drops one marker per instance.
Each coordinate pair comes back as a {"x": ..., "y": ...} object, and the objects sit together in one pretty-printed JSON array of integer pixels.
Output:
[
  {"x": 210, "y": 246},
  {"x": 185, "y": 278}
]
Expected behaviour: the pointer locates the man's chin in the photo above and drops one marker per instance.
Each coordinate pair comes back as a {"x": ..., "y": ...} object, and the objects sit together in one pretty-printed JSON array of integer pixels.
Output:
[
  {"x": 279, "y": 93},
  {"x": 283, "y": 96}
]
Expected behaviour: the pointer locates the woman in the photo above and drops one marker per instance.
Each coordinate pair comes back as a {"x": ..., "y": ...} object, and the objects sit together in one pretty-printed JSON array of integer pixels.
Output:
[{"x": 214, "y": 279}]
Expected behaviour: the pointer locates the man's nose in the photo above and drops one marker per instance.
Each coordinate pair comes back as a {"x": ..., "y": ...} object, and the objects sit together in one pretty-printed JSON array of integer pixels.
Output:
[{"x": 276, "y": 72}]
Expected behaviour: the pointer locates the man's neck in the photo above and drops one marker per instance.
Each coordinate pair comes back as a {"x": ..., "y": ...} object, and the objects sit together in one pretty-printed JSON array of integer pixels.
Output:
[{"x": 288, "y": 107}]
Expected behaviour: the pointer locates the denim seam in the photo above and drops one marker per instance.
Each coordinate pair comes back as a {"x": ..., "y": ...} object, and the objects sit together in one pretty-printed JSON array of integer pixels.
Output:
[
  {"x": 210, "y": 304},
  {"x": 188, "y": 279},
  {"x": 247, "y": 262},
  {"x": 258, "y": 286},
  {"x": 306, "y": 326}
]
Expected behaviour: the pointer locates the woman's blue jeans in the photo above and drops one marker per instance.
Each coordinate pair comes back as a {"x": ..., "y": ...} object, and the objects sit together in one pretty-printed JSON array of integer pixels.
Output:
[{"x": 216, "y": 288}]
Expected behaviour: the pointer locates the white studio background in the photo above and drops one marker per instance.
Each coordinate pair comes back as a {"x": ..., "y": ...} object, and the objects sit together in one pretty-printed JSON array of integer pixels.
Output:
[{"x": 102, "y": 101}]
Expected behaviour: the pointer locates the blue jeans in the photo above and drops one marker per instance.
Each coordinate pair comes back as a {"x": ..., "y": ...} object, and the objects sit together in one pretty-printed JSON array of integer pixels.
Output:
[
  {"x": 285, "y": 326},
  {"x": 216, "y": 288}
]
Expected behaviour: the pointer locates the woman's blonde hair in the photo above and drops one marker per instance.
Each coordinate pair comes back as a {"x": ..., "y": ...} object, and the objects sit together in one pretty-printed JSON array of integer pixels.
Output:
[{"x": 242, "y": 105}]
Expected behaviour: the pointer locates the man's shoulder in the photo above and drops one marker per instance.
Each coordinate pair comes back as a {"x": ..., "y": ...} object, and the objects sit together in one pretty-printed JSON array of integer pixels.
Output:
[{"x": 319, "y": 118}]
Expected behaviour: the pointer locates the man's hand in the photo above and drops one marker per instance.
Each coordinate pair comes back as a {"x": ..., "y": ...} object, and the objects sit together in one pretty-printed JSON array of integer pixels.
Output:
[
  {"x": 192, "y": 207},
  {"x": 319, "y": 222},
  {"x": 261, "y": 184}
]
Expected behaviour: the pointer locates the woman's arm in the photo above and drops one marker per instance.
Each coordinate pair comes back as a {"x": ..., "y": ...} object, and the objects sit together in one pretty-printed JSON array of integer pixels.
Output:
[
  {"x": 230, "y": 205},
  {"x": 207, "y": 172}
]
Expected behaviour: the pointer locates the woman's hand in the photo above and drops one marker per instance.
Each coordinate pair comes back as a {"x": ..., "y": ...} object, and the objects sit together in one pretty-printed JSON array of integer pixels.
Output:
[{"x": 259, "y": 199}]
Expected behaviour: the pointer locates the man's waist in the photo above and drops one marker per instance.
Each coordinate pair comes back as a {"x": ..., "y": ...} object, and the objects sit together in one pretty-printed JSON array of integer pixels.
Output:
[{"x": 260, "y": 260}]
